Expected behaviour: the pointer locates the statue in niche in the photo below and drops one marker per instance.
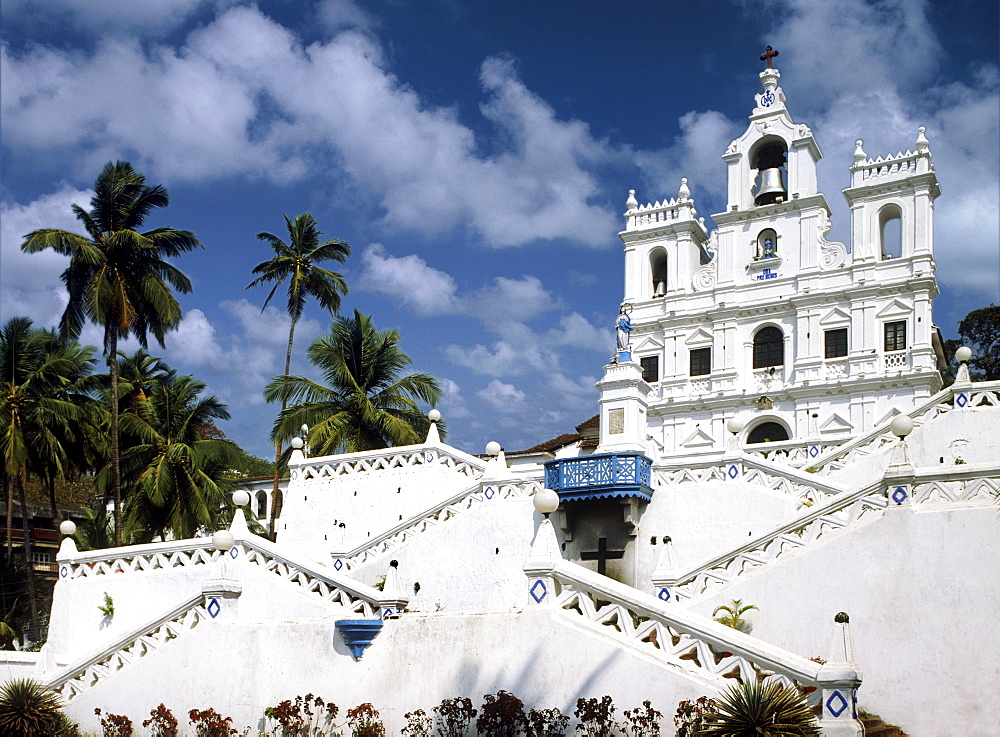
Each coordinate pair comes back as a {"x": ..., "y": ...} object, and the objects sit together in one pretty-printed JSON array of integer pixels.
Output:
[
  {"x": 623, "y": 326},
  {"x": 768, "y": 247}
]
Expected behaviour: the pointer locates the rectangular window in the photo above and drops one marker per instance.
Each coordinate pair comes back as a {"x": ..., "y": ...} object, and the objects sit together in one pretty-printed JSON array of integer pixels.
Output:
[
  {"x": 895, "y": 336},
  {"x": 650, "y": 369},
  {"x": 701, "y": 361},
  {"x": 836, "y": 343}
]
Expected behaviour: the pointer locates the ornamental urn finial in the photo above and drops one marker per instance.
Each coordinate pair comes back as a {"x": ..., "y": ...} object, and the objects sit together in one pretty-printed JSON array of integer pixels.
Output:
[{"x": 631, "y": 203}]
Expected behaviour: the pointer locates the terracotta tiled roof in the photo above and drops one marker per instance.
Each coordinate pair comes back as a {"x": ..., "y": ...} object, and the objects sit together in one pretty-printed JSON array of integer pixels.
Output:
[
  {"x": 550, "y": 445},
  {"x": 592, "y": 423}
]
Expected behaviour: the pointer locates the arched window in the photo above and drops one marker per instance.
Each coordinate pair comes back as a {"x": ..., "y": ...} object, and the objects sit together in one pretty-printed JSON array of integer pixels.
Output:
[
  {"x": 767, "y": 432},
  {"x": 767, "y": 245},
  {"x": 261, "y": 505},
  {"x": 658, "y": 270},
  {"x": 768, "y": 348},
  {"x": 890, "y": 229}
]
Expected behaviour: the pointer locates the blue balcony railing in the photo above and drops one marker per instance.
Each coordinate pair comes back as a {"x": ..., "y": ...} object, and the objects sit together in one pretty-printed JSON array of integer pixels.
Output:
[{"x": 605, "y": 476}]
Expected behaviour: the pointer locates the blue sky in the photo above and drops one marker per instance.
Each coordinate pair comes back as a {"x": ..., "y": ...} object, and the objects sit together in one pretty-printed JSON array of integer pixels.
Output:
[{"x": 476, "y": 156}]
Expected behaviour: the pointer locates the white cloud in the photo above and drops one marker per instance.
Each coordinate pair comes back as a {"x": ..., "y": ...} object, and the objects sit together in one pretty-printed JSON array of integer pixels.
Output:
[
  {"x": 29, "y": 282},
  {"x": 409, "y": 280},
  {"x": 335, "y": 15},
  {"x": 508, "y": 300},
  {"x": 453, "y": 405},
  {"x": 503, "y": 398}
]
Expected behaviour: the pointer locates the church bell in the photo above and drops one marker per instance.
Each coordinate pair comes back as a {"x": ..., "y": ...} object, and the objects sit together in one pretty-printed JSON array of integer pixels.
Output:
[
  {"x": 661, "y": 289},
  {"x": 770, "y": 187}
]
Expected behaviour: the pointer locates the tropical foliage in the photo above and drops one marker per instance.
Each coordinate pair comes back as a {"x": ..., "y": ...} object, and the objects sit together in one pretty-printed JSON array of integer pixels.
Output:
[
  {"x": 118, "y": 277},
  {"x": 732, "y": 615},
  {"x": 756, "y": 709},
  {"x": 367, "y": 402},
  {"x": 28, "y": 708}
]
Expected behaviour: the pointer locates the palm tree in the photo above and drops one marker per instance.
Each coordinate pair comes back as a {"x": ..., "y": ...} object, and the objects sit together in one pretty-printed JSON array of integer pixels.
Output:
[
  {"x": 117, "y": 277},
  {"x": 366, "y": 403},
  {"x": 733, "y": 615},
  {"x": 755, "y": 709},
  {"x": 36, "y": 414},
  {"x": 296, "y": 261},
  {"x": 176, "y": 477}
]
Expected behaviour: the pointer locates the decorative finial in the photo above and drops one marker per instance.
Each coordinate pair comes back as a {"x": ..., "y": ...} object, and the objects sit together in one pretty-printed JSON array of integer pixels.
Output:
[
  {"x": 859, "y": 153},
  {"x": 631, "y": 203},
  {"x": 768, "y": 55},
  {"x": 841, "y": 618},
  {"x": 922, "y": 143},
  {"x": 684, "y": 193}
]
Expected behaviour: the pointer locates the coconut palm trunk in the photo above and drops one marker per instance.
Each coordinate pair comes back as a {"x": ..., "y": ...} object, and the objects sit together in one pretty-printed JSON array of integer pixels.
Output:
[
  {"x": 28, "y": 567},
  {"x": 111, "y": 340}
]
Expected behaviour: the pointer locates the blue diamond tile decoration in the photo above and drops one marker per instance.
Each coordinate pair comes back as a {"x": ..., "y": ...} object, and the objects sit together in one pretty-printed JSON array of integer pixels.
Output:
[
  {"x": 234, "y": 552},
  {"x": 813, "y": 451},
  {"x": 899, "y": 495},
  {"x": 664, "y": 594},
  {"x": 488, "y": 492},
  {"x": 428, "y": 457},
  {"x": 962, "y": 399},
  {"x": 836, "y": 703},
  {"x": 214, "y": 607},
  {"x": 854, "y": 703},
  {"x": 733, "y": 471},
  {"x": 538, "y": 591},
  {"x": 388, "y": 612},
  {"x": 63, "y": 572},
  {"x": 338, "y": 564}
]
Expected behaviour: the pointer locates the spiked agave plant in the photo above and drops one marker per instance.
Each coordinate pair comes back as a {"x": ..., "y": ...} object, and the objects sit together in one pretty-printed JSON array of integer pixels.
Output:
[
  {"x": 27, "y": 708},
  {"x": 757, "y": 709}
]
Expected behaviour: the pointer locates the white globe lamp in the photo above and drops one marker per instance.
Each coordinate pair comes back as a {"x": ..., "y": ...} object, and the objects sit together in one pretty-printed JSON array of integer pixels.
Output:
[
  {"x": 545, "y": 501},
  {"x": 901, "y": 426},
  {"x": 963, "y": 354},
  {"x": 241, "y": 497},
  {"x": 223, "y": 540},
  {"x": 67, "y": 527},
  {"x": 735, "y": 425},
  {"x": 493, "y": 448},
  {"x": 297, "y": 443},
  {"x": 434, "y": 415}
]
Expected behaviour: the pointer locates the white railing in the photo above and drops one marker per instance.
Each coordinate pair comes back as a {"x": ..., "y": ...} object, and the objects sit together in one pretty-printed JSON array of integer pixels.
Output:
[
  {"x": 896, "y": 360},
  {"x": 964, "y": 396},
  {"x": 330, "y": 586},
  {"x": 794, "y": 453},
  {"x": 467, "y": 499},
  {"x": 141, "y": 641},
  {"x": 963, "y": 483},
  {"x": 672, "y": 634},
  {"x": 410, "y": 456}
]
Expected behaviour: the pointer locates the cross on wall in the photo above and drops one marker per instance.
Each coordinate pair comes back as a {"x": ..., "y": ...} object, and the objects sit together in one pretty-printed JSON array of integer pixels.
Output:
[{"x": 602, "y": 555}]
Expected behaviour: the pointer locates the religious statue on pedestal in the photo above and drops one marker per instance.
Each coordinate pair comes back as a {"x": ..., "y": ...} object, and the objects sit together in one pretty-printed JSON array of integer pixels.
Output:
[{"x": 623, "y": 326}]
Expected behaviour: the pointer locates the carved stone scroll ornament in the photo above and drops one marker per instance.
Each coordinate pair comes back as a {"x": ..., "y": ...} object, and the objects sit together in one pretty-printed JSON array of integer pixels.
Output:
[{"x": 832, "y": 255}]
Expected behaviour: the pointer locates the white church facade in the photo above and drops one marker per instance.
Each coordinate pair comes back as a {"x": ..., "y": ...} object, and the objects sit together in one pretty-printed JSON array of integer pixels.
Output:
[{"x": 773, "y": 429}]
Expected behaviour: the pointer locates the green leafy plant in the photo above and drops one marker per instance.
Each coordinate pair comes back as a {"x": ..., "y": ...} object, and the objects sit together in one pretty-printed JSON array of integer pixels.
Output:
[
  {"x": 690, "y": 715},
  {"x": 27, "y": 708},
  {"x": 454, "y": 716},
  {"x": 546, "y": 723},
  {"x": 644, "y": 722},
  {"x": 108, "y": 607},
  {"x": 757, "y": 709},
  {"x": 597, "y": 718},
  {"x": 161, "y": 722},
  {"x": 732, "y": 615},
  {"x": 115, "y": 725},
  {"x": 501, "y": 715},
  {"x": 364, "y": 721}
]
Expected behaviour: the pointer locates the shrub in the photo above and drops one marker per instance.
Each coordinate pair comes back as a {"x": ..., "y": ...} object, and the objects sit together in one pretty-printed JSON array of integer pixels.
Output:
[
  {"x": 209, "y": 723},
  {"x": 733, "y": 615},
  {"x": 597, "y": 718},
  {"x": 28, "y": 708},
  {"x": 690, "y": 715},
  {"x": 454, "y": 716},
  {"x": 161, "y": 722},
  {"x": 546, "y": 723},
  {"x": 644, "y": 722},
  {"x": 501, "y": 715},
  {"x": 761, "y": 710},
  {"x": 305, "y": 716},
  {"x": 418, "y": 724},
  {"x": 115, "y": 725},
  {"x": 365, "y": 722}
]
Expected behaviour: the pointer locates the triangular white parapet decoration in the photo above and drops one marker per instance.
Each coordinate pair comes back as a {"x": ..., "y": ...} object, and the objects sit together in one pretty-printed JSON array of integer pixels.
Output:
[
  {"x": 666, "y": 567},
  {"x": 239, "y": 526},
  {"x": 433, "y": 438},
  {"x": 835, "y": 316},
  {"x": 840, "y": 661},
  {"x": 67, "y": 549},
  {"x": 698, "y": 438},
  {"x": 545, "y": 546},
  {"x": 894, "y": 309},
  {"x": 496, "y": 468},
  {"x": 392, "y": 588},
  {"x": 647, "y": 343},
  {"x": 888, "y": 416},
  {"x": 698, "y": 336},
  {"x": 836, "y": 424}
]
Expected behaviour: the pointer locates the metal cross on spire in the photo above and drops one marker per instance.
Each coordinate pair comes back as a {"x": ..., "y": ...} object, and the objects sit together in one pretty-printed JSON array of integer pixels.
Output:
[{"x": 768, "y": 55}]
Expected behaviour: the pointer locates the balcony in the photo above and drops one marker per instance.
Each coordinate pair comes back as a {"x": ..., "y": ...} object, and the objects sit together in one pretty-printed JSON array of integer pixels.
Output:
[{"x": 605, "y": 476}]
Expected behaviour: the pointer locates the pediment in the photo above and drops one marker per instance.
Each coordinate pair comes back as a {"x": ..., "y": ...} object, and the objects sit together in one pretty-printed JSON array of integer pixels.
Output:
[
  {"x": 836, "y": 316},
  {"x": 699, "y": 337},
  {"x": 836, "y": 424},
  {"x": 648, "y": 343},
  {"x": 698, "y": 439},
  {"x": 888, "y": 416},
  {"x": 896, "y": 308}
]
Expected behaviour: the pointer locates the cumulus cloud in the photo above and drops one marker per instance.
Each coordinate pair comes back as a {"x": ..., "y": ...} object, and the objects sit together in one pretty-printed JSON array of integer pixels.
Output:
[
  {"x": 503, "y": 398},
  {"x": 29, "y": 283},
  {"x": 408, "y": 279},
  {"x": 244, "y": 95}
]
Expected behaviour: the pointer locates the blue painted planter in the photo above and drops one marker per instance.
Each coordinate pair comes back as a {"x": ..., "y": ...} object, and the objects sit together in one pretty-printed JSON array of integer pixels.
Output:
[{"x": 358, "y": 633}]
